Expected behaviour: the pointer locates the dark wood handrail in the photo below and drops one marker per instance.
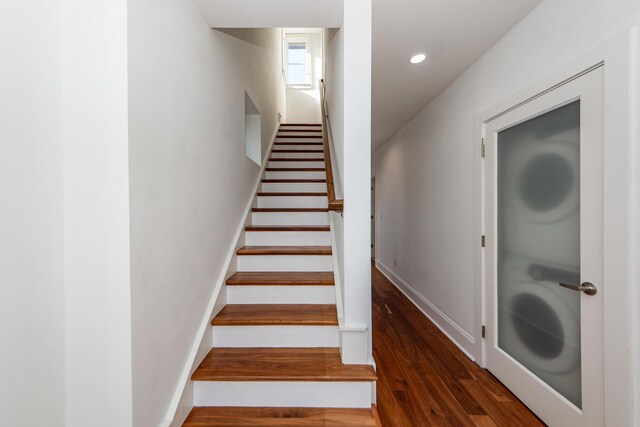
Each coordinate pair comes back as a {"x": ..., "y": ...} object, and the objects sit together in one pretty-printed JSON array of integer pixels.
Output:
[{"x": 336, "y": 205}]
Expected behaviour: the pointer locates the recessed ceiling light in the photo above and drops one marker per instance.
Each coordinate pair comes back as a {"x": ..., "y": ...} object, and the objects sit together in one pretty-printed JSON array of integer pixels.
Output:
[{"x": 416, "y": 59}]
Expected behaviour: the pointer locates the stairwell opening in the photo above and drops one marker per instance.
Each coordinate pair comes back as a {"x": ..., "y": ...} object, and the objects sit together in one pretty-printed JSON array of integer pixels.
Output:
[{"x": 252, "y": 130}]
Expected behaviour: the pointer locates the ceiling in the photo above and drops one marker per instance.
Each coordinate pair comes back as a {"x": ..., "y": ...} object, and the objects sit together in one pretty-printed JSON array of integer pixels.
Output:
[
  {"x": 272, "y": 13},
  {"x": 454, "y": 33}
]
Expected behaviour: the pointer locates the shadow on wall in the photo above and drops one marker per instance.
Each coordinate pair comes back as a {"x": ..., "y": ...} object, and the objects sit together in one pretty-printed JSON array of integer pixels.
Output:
[
  {"x": 303, "y": 106},
  {"x": 246, "y": 35}
]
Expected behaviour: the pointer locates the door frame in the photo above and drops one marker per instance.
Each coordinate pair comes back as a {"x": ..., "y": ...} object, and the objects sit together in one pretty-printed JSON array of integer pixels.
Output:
[
  {"x": 554, "y": 407},
  {"x": 373, "y": 218},
  {"x": 620, "y": 161}
]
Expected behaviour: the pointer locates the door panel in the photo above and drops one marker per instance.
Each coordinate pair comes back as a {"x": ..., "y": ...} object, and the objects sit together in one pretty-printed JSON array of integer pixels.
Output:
[
  {"x": 543, "y": 210},
  {"x": 539, "y": 246}
]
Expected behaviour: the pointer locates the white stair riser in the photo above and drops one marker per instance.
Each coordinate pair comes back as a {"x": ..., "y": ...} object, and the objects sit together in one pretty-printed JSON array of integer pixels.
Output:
[
  {"x": 293, "y": 202},
  {"x": 307, "y": 394},
  {"x": 305, "y": 131},
  {"x": 312, "y": 155},
  {"x": 294, "y": 187},
  {"x": 309, "y": 164},
  {"x": 280, "y": 138},
  {"x": 285, "y": 263},
  {"x": 287, "y": 126},
  {"x": 295, "y": 175},
  {"x": 275, "y": 336},
  {"x": 297, "y": 147},
  {"x": 281, "y": 295},
  {"x": 290, "y": 218},
  {"x": 288, "y": 238}
]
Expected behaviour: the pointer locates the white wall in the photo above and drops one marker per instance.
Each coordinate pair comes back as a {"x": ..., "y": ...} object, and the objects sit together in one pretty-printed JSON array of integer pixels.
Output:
[
  {"x": 424, "y": 174},
  {"x": 303, "y": 105},
  {"x": 347, "y": 74},
  {"x": 65, "y": 232},
  {"x": 31, "y": 276},
  {"x": 96, "y": 213},
  {"x": 334, "y": 83},
  {"x": 190, "y": 177},
  {"x": 357, "y": 173},
  {"x": 333, "y": 72}
]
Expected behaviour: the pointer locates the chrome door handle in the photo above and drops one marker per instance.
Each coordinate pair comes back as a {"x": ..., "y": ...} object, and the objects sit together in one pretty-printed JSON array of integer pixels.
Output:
[{"x": 587, "y": 287}]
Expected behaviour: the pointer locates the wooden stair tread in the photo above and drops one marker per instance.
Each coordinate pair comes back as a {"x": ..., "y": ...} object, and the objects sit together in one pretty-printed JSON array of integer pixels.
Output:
[
  {"x": 299, "y": 130},
  {"x": 279, "y": 364},
  {"x": 312, "y": 228},
  {"x": 295, "y": 169},
  {"x": 298, "y": 143},
  {"x": 276, "y": 314},
  {"x": 284, "y": 250},
  {"x": 297, "y": 151},
  {"x": 292, "y": 159},
  {"x": 293, "y": 181},
  {"x": 281, "y": 417},
  {"x": 299, "y": 136},
  {"x": 292, "y": 193},
  {"x": 290, "y": 209},
  {"x": 285, "y": 278},
  {"x": 300, "y": 124}
]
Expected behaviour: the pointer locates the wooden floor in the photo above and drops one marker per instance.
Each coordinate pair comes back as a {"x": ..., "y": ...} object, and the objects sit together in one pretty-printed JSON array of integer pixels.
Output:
[
  {"x": 424, "y": 379},
  {"x": 279, "y": 417}
]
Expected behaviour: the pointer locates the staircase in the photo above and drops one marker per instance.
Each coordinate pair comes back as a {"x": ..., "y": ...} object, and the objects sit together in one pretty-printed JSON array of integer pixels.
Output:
[{"x": 275, "y": 358}]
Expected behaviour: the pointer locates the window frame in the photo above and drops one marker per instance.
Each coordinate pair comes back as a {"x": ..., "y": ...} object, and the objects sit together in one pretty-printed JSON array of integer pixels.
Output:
[{"x": 298, "y": 38}]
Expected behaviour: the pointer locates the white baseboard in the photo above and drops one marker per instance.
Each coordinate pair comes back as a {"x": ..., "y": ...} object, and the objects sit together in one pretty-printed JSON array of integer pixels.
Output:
[
  {"x": 451, "y": 329},
  {"x": 354, "y": 345},
  {"x": 182, "y": 398}
]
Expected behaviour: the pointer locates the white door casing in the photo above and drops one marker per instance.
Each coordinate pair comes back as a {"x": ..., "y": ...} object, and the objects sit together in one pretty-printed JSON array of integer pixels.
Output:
[{"x": 549, "y": 404}]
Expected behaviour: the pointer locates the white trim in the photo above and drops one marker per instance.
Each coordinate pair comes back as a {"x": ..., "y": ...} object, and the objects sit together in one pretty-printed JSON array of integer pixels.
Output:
[
  {"x": 213, "y": 306},
  {"x": 336, "y": 271},
  {"x": 451, "y": 329},
  {"x": 353, "y": 345},
  {"x": 337, "y": 173},
  {"x": 354, "y": 337},
  {"x": 298, "y": 38},
  {"x": 634, "y": 108},
  {"x": 619, "y": 252}
]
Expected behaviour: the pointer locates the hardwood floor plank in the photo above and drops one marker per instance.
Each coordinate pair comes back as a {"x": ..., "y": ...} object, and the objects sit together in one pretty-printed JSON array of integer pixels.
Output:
[
  {"x": 426, "y": 380},
  {"x": 483, "y": 421},
  {"x": 282, "y": 417}
]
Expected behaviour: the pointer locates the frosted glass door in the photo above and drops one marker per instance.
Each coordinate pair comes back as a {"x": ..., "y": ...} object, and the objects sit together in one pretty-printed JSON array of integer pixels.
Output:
[
  {"x": 539, "y": 247},
  {"x": 542, "y": 220}
]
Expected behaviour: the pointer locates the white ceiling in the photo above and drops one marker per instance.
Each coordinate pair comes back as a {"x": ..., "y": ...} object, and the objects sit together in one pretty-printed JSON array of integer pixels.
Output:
[
  {"x": 272, "y": 13},
  {"x": 453, "y": 32}
]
